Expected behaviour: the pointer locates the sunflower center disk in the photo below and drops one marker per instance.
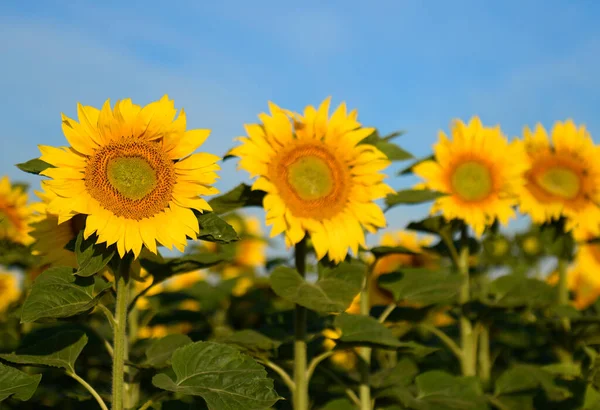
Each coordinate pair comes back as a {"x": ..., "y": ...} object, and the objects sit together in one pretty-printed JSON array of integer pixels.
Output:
[
  {"x": 311, "y": 178},
  {"x": 531, "y": 245},
  {"x": 472, "y": 181},
  {"x": 133, "y": 177},
  {"x": 559, "y": 181}
]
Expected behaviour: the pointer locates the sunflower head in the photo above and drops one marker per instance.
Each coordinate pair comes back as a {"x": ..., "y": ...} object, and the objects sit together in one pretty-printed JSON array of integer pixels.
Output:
[
  {"x": 132, "y": 171},
  {"x": 9, "y": 289},
  {"x": 479, "y": 170},
  {"x": 318, "y": 178},
  {"x": 563, "y": 177},
  {"x": 15, "y": 214},
  {"x": 184, "y": 280}
]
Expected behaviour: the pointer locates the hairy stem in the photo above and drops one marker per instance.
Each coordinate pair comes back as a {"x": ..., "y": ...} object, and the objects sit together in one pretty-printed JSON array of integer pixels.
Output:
[
  {"x": 120, "y": 336},
  {"x": 89, "y": 388},
  {"x": 300, "y": 359},
  {"x": 364, "y": 390}
]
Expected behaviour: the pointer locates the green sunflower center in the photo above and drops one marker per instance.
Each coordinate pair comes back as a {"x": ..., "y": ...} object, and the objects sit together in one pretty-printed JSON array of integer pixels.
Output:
[
  {"x": 310, "y": 177},
  {"x": 472, "y": 181},
  {"x": 133, "y": 177},
  {"x": 531, "y": 245},
  {"x": 560, "y": 181},
  {"x": 500, "y": 247}
]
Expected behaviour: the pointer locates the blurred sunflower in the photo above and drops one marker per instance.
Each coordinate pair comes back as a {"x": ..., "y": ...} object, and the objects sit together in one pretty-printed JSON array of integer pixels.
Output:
[
  {"x": 9, "y": 290},
  {"x": 318, "y": 178},
  {"x": 51, "y": 237},
  {"x": 343, "y": 359},
  {"x": 132, "y": 172},
  {"x": 184, "y": 280},
  {"x": 480, "y": 172},
  {"x": 564, "y": 175},
  {"x": 15, "y": 214}
]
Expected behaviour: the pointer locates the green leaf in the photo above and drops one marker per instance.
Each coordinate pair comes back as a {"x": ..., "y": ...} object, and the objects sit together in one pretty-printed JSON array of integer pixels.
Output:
[
  {"x": 364, "y": 329},
  {"x": 432, "y": 224},
  {"x": 34, "y": 166},
  {"x": 58, "y": 293},
  {"x": 522, "y": 377},
  {"x": 214, "y": 229},
  {"x": 17, "y": 384},
  {"x": 332, "y": 293},
  {"x": 409, "y": 169},
  {"x": 422, "y": 286},
  {"x": 393, "y": 151},
  {"x": 159, "y": 353},
  {"x": 339, "y": 404},
  {"x": 252, "y": 341},
  {"x": 400, "y": 375},
  {"x": 517, "y": 290},
  {"x": 438, "y": 390},
  {"x": 91, "y": 257},
  {"x": 223, "y": 376},
  {"x": 411, "y": 197},
  {"x": 241, "y": 196},
  {"x": 59, "y": 350},
  {"x": 381, "y": 251},
  {"x": 168, "y": 267}
]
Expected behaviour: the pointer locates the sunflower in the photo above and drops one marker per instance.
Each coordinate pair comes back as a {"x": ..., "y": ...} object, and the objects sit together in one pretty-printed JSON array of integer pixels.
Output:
[
  {"x": 9, "y": 290},
  {"x": 480, "y": 172},
  {"x": 184, "y": 280},
  {"x": 318, "y": 178},
  {"x": 132, "y": 172},
  {"x": 51, "y": 237},
  {"x": 564, "y": 175},
  {"x": 343, "y": 359},
  {"x": 15, "y": 214}
]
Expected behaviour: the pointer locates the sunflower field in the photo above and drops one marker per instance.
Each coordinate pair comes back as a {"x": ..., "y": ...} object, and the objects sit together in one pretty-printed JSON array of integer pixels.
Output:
[{"x": 130, "y": 282}]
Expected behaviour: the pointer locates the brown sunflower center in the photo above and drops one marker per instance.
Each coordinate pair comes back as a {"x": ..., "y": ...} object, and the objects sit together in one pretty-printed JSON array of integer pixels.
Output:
[
  {"x": 312, "y": 182},
  {"x": 472, "y": 181},
  {"x": 559, "y": 181},
  {"x": 133, "y": 179}
]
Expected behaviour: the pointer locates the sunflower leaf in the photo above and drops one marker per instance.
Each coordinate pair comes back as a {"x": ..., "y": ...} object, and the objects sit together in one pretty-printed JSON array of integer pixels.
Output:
[
  {"x": 332, "y": 293},
  {"x": 364, "y": 329},
  {"x": 34, "y": 166},
  {"x": 442, "y": 391},
  {"x": 252, "y": 341},
  {"x": 411, "y": 197},
  {"x": 393, "y": 151},
  {"x": 242, "y": 196},
  {"x": 159, "y": 353},
  {"x": 91, "y": 257},
  {"x": 422, "y": 286},
  {"x": 223, "y": 376},
  {"x": 17, "y": 384},
  {"x": 162, "y": 270},
  {"x": 381, "y": 251},
  {"x": 57, "y": 293},
  {"x": 214, "y": 229},
  {"x": 59, "y": 350}
]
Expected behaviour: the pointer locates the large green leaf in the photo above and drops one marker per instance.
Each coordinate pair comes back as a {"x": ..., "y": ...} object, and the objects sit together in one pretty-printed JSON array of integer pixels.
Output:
[
  {"x": 523, "y": 377},
  {"x": 518, "y": 290},
  {"x": 381, "y": 251},
  {"x": 223, "y": 376},
  {"x": 91, "y": 257},
  {"x": 409, "y": 169},
  {"x": 239, "y": 197},
  {"x": 59, "y": 350},
  {"x": 422, "y": 286},
  {"x": 34, "y": 166},
  {"x": 58, "y": 293},
  {"x": 17, "y": 384},
  {"x": 411, "y": 197},
  {"x": 402, "y": 374},
  {"x": 168, "y": 267},
  {"x": 393, "y": 151},
  {"x": 332, "y": 293},
  {"x": 438, "y": 390},
  {"x": 252, "y": 342},
  {"x": 159, "y": 353},
  {"x": 214, "y": 229}
]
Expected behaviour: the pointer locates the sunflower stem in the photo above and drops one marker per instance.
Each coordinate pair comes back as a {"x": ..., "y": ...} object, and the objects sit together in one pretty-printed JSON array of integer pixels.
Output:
[
  {"x": 120, "y": 335},
  {"x": 563, "y": 289},
  {"x": 364, "y": 390},
  {"x": 467, "y": 337},
  {"x": 300, "y": 359},
  {"x": 485, "y": 366}
]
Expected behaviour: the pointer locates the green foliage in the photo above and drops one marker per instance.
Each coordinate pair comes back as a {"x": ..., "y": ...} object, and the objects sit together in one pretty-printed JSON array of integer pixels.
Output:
[
  {"x": 215, "y": 229},
  {"x": 159, "y": 353},
  {"x": 332, "y": 293},
  {"x": 91, "y": 257},
  {"x": 34, "y": 166},
  {"x": 422, "y": 286},
  {"x": 411, "y": 197},
  {"x": 239, "y": 197},
  {"x": 17, "y": 384},
  {"x": 57, "y": 293},
  {"x": 221, "y": 375}
]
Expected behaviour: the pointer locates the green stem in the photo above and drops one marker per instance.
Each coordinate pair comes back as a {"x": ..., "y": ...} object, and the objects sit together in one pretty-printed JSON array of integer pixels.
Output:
[
  {"x": 300, "y": 359},
  {"x": 120, "y": 336},
  {"x": 89, "y": 388},
  {"x": 467, "y": 339},
  {"x": 485, "y": 366},
  {"x": 364, "y": 390},
  {"x": 447, "y": 340},
  {"x": 563, "y": 290},
  {"x": 282, "y": 373}
]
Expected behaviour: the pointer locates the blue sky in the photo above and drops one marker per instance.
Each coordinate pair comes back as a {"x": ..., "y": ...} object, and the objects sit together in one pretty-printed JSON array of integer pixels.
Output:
[{"x": 411, "y": 65}]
